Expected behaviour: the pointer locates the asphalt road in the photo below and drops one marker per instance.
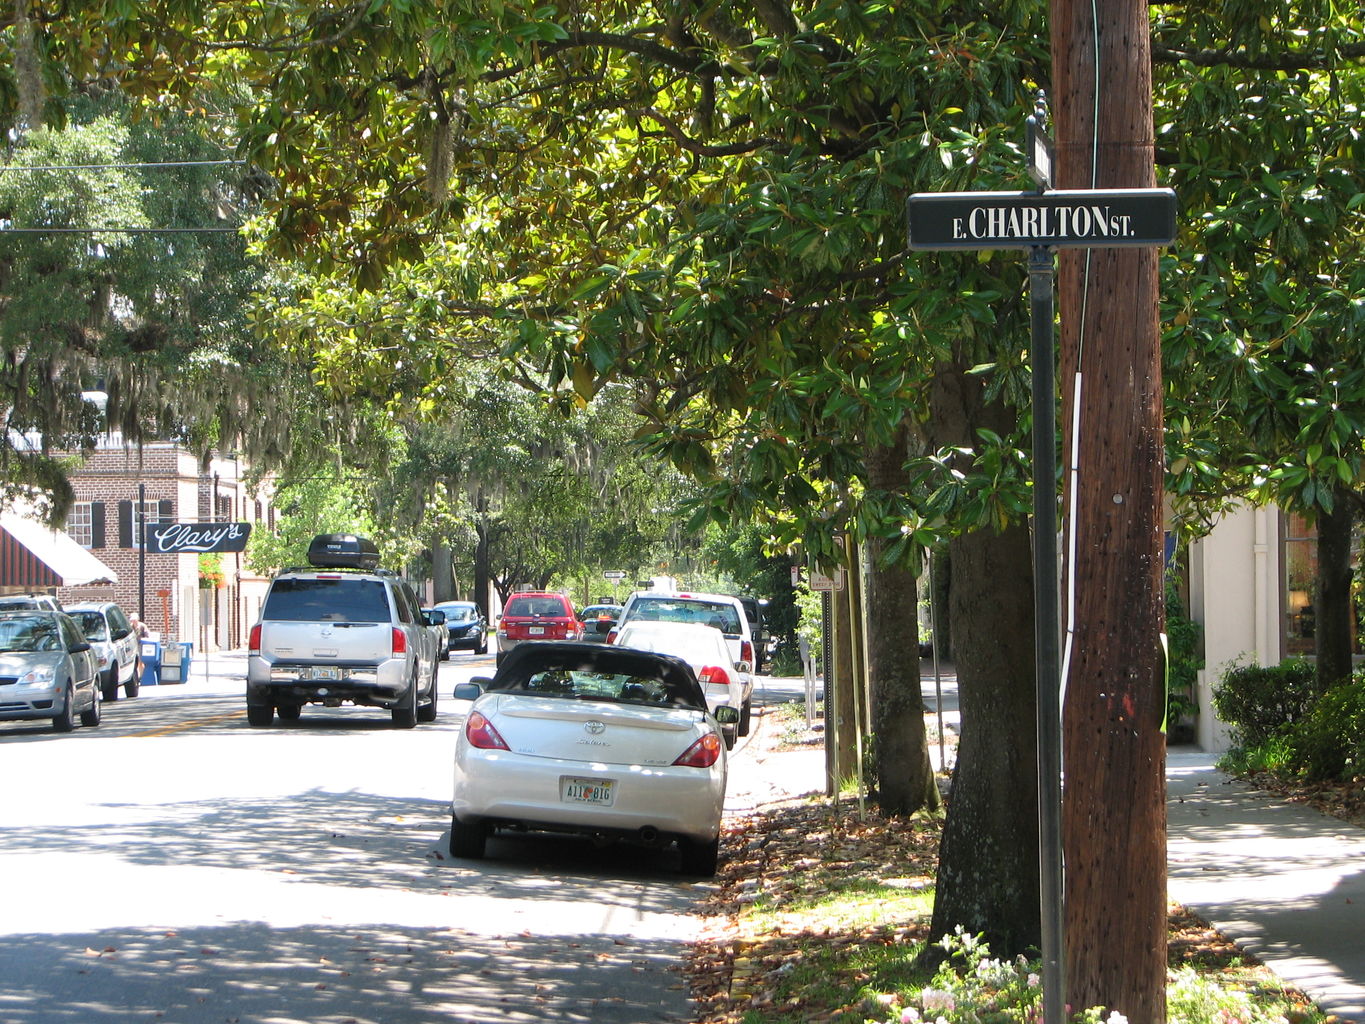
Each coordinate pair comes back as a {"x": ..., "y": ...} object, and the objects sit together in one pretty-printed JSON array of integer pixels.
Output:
[{"x": 174, "y": 865}]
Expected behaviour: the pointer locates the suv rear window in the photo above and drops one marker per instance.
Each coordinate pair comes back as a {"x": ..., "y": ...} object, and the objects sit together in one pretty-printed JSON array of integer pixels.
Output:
[
  {"x": 529, "y": 606},
  {"x": 312, "y": 600},
  {"x": 724, "y": 617}
]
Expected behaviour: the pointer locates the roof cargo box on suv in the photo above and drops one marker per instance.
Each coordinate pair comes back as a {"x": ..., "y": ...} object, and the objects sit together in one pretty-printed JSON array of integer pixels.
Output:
[{"x": 342, "y": 551}]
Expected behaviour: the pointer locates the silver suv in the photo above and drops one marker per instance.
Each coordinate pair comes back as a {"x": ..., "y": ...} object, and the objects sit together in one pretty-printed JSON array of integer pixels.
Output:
[{"x": 341, "y": 631}]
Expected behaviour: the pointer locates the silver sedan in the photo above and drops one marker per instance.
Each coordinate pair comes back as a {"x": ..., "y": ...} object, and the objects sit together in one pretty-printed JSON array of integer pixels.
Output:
[{"x": 47, "y": 670}]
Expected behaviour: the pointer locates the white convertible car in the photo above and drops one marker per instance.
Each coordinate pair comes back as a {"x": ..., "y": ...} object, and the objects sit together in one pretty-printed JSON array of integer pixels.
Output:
[{"x": 596, "y": 740}]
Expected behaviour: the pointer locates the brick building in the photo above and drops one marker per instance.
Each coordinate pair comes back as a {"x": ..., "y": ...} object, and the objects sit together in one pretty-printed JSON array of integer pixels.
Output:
[{"x": 119, "y": 487}]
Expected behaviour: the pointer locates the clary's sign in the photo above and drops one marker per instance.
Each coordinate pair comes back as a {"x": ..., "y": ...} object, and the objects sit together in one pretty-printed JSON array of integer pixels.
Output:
[
  {"x": 197, "y": 538},
  {"x": 1088, "y": 218}
]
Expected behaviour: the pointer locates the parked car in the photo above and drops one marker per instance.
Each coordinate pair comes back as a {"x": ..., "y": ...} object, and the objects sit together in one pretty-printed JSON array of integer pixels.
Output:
[
  {"x": 47, "y": 670},
  {"x": 705, "y": 651},
  {"x": 341, "y": 630},
  {"x": 436, "y": 622},
  {"x": 719, "y": 610},
  {"x": 591, "y": 739},
  {"x": 536, "y": 615},
  {"x": 466, "y": 625},
  {"x": 753, "y": 611},
  {"x": 598, "y": 620},
  {"x": 116, "y": 645},
  {"x": 20, "y": 602}
]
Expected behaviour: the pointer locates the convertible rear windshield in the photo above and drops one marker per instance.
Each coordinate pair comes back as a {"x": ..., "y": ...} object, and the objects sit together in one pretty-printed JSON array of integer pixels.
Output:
[
  {"x": 627, "y": 677},
  {"x": 326, "y": 600}
]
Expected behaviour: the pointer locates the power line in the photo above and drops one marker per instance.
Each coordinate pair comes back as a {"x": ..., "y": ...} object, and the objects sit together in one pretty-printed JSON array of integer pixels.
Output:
[
  {"x": 113, "y": 167},
  {"x": 121, "y": 231}
]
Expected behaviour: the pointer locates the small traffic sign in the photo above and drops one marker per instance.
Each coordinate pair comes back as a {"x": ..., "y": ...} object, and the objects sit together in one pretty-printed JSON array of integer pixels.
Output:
[
  {"x": 1078, "y": 218},
  {"x": 613, "y": 574}
]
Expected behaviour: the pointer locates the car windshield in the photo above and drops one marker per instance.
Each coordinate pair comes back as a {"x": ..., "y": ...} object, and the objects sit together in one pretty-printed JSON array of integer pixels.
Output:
[
  {"x": 533, "y": 606},
  {"x": 92, "y": 625},
  {"x": 622, "y": 688},
  {"x": 724, "y": 617},
  {"x": 326, "y": 600},
  {"x": 580, "y": 672},
  {"x": 27, "y": 633}
]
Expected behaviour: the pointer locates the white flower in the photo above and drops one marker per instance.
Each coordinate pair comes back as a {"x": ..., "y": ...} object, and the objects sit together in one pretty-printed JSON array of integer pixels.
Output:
[
  {"x": 1034, "y": 981},
  {"x": 1116, "y": 1018},
  {"x": 910, "y": 1016},
  {"x": 937, "y": 999}
]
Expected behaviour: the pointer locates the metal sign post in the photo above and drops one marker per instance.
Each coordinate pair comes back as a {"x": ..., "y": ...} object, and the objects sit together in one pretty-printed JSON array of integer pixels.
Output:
[{"x": 1041, "y": 222}]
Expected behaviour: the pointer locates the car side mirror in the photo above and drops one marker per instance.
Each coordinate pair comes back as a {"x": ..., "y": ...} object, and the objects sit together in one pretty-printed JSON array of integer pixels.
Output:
[
  {"x": 77, "y": 648},
  {"x": 472, "y": 690},
  {"x": 120, "y": 633},
  {"x": 743, "y": 666},
  {"x": 726, "y": 715}
]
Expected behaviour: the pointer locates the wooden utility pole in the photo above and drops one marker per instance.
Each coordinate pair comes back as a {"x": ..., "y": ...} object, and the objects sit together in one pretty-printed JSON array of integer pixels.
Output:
[{"x": 1114, "y": 812}]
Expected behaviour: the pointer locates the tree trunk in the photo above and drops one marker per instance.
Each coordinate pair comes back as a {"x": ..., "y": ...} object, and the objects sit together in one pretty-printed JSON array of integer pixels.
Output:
[
  {"x": 483, "y": 577},
  {"x": 442, "y": 572},
  {"x": 841, "y": 719},
  {"x": 988, "y": 879},
  {"x": 905, "y": 777},
  {"x": 1114, "y": 803},
  {"x": 1335, "y": 627}
]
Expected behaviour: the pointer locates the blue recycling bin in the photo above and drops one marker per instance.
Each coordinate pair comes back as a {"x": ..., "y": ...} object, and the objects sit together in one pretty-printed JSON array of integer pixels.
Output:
[{"x": 151, "y": 662}]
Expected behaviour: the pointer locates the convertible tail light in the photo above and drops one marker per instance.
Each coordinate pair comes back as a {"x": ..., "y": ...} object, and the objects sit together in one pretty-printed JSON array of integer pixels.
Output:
[
  {"x": 253, "y": 643},
  {"x": 400, "y": 641},
  {"x": 702, "y": 754},
  {"x": 480, "y": 733},
  {"x": 713, "y": 675}
]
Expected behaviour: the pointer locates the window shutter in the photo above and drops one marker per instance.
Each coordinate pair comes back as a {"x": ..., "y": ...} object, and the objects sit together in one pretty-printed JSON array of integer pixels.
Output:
[
  {"x": 125, "y": 524},
  {"x": 165, "y": 510},
  {"x": 97, "y": 524}
]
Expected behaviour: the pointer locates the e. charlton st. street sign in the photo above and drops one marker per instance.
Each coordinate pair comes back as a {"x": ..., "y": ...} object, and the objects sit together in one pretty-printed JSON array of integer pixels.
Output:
[{"x": 1022, "y": 220}]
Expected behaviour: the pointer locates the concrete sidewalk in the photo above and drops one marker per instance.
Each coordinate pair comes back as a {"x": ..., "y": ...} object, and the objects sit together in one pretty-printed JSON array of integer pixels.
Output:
[{"x": 1282, "y": 880}]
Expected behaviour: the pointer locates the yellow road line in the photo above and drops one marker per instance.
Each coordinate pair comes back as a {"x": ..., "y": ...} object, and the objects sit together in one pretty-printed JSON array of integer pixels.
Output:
[{"x": 184, "y": 726}]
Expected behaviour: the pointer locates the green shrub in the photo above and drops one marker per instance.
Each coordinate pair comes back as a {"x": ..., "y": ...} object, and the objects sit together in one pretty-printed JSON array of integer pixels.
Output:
[
  {"x": 1259, "y": 701},
  {"x": 1329, "y": 744}
]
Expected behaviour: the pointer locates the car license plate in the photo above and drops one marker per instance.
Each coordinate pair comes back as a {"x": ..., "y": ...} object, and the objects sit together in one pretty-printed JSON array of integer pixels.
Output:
[
  {"x": 535, "y": 631},
  {"x": 586, "y": 791}
]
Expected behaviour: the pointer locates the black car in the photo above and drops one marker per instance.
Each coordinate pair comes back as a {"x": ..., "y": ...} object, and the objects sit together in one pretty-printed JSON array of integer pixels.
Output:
[
  {"x": 598, "y": 620},
  {"x": 466, "y": 625},
  {"x": 753, "y": 611}
]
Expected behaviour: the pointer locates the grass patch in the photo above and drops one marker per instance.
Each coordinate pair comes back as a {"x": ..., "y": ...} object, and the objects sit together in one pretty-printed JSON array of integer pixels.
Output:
[{"x": 820, "y": 916}]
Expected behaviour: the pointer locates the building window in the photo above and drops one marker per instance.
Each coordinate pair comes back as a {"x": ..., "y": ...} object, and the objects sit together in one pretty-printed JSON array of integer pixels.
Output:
[
  {"x": 1301, "y": 577},
  {"x": 80, "y": 524}
]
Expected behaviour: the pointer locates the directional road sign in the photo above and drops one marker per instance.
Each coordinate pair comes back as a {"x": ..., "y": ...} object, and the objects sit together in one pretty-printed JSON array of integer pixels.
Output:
[{"x": 1084, "y": 218}]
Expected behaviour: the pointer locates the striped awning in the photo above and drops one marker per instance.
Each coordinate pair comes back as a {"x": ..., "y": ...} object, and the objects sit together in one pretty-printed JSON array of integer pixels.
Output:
[{"x": 34, "y": 556}]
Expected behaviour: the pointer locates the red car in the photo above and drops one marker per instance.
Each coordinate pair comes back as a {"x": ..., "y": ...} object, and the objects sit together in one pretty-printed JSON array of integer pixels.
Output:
[{"x": 536, "y": 616}]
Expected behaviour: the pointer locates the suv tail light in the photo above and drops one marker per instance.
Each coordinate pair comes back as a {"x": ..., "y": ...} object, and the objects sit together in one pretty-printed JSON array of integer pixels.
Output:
[
  {"x": 253, "y": 643},
  {"x": 400, "y": 641},
  {"x": 746, "y": 652},
  {"x": 480, "y": 733},
  {"x": 713, "y": 675},
  {"x": 702, "y": 754},
  {"x": 611, "y": 636}
]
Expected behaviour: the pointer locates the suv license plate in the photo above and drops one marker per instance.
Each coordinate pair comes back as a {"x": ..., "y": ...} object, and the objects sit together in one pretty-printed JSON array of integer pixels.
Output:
[
  {"x": 586, "y": 791},
  {"x": 535, "y": 630},
  {"x": 326, "y": 673}
]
